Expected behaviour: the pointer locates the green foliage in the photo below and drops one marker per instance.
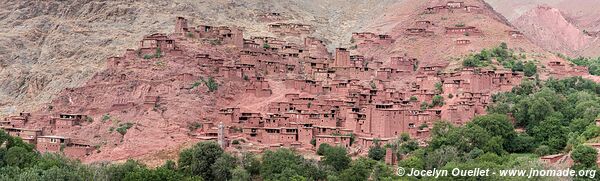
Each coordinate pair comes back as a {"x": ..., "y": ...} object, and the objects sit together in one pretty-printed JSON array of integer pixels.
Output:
[
  {"x": 195, "y": 84},
  {"x": 425, "y": 105},
  {"x": 504, "y": 56},
  {"x": 240, "y": 174},
  {"x": 105, "y": 117},
  {"x": 285, "y": 164},
  {"x": 157, "y": 54},
  {"x": 123, "y": 127},
  {"x": 413, "y": 99},
  {"x": 359, "y": 170},
  {"x": 194, "y": 126},
  {"x": 323, "y": 147},
  {"x": 215, "y": 42},
  {"x": 223, "y": 166},
  {"x": 438, "y": 88},
  {"x": 199, "y": 159},
  {"x": 557, "y": 114},
  {"x": 584, "y": 156},
  {"x": 211, "y": 84},
  {"x": 19, "y": 157},
  {"x": 336, "y": 157},
  {"x": 437, "y": 101},
  {"x": 251, "y": 164},
  {"x": 592, "y": 64},
  {"x": 373, "y": 85},
  {"x": 313, "y": 142},
  {"x": 530, "y": 69},
  {"x": 376, "y": 152},
  {"x": 266, "y": 46}
]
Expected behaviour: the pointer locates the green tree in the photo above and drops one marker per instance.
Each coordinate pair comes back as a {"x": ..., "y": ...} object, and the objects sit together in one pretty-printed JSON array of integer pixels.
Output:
[
  {"x": 543, "y": 150},
  {"x": 337, "y": 157},
  {"x": 199, "y": 159},
  {"x": 530, "y": 69},
  {"x": 359, "y": 170},
  {"x": 120, "y": 171},
  {"x": 282, "y": 164},
  {"x": 323, "y": 147},
  {"x": 439, "y": 88},
  {"x": 19, "y": 157},
  {"x": 584, "y": 157},
  {"x": 376, "y": 152},
  {"x": 223, "y": 166},
  {"x": 437, "y": 100},
  {"x": 251, "y": 163},
  {"x": 240, "y": 174}
]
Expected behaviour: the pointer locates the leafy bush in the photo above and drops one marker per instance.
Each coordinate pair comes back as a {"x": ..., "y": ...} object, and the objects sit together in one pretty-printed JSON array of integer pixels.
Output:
[
  {"x": 413, "y": 98},
  {"x": 437, "y": 100},
  {"x": 105, "y": 117},
  {"x": 123, "y": 127},
  {"x": 194, "y": 126},
  {"x": 376, "y": 152}
]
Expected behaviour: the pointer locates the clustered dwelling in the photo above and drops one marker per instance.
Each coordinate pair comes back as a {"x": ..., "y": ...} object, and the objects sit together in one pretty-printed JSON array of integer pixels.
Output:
[
  {"x": 279, "y": 93},
  {"x": 47, "y": 137}
]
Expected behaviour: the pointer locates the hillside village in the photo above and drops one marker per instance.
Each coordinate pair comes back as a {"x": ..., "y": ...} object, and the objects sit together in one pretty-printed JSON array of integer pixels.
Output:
[{"x": 256, "y": 93}]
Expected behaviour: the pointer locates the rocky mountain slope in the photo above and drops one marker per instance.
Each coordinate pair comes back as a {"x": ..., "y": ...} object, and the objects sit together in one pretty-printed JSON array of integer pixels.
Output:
[
  {"x": 561, "y": 26},
  {"x": 46, "y": 46},
  {"x": 548, "y": 27}
]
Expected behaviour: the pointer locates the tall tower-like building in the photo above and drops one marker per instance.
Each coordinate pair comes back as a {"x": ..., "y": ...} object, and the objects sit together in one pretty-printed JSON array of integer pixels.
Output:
[
  {"x": 181, "y": 26},
  {"x": 342, "y": 58},
  {"x": 221, "y": 135}
]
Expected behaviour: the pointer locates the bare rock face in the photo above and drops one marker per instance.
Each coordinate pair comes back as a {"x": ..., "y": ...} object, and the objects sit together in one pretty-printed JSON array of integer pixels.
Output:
[
  {"x": 568, "y": 15},
  {"x": 549, "y": 28},
  {"x": 46, "y": 46}
]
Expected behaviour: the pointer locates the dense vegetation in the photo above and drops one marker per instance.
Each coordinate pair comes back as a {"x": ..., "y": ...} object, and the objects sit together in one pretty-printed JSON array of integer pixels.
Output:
[
  {"x": 592, "y": 64},
  {"x": 504, "y": 56},
  {"x": 555, "y": 116},
  {"x": 203, "y": 161}
]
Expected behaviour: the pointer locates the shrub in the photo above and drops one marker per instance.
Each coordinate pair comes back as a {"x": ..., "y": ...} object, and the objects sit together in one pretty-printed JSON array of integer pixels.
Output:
[
  {"x": 105, "y": 117},
  {"x": 413, "y": 98},
  {"x": 158, "y": 53},
  {"x": 373, "y": 85},
  {"x": 530, "y": 69},
  {"x": 424, "y": 105},
  {"x": 376, "y": 152},
  {"x": 438, "y": 88},
  {"x": 194, "y": 126},
  {"x": 123, "y": 127},
  {"x": 211, "y": 84},
  {"x": 437, "y": 100},
  {"x": 323, "y": 147}
]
